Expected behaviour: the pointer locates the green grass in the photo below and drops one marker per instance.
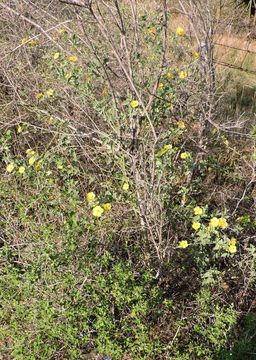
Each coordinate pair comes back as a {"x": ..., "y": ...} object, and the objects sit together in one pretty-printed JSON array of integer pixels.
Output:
[{"x": 77, "y": 284}]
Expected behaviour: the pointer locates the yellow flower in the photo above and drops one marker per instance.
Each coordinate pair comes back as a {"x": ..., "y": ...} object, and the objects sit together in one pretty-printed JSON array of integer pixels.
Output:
[
  {"x": 125, "y": 186},
  {"x": 61, "y": 31},
  {"x": 152, "y": 30},
  {"x": 180, "y": 31},
  {"x": 223, "y": 223},
  {"x": 214, "y": 222},
  {"x": 196, "y": 225},
  {"x": 51, "y": 120},
  {"x": 183, "y": 74},
  {"x": 10, "y": 167},
  {"x": 134, "y": 104},
  {"x": 49, "y": 92},
  {"x": 184, "y": 155},
  {"x": 39, "y": 95},
  {"x": 73, "y": 58},
  {"x": 232, "y": 241},
  {"x": 30, "y": 152},
  {"x": 160, "y": 86},
  {"x": 104, "y": 93},
  {"x": 32, "y": 160},
  {"x": 196, "y": 55},
  {"x": 24, "y": 40},
  {"x": 21, "y": 170},
  {"x": 164, "y": 149},
  {"x": 106, "y": 206},
  {"x": 19, "y": 129},
  {"x": 38, "y": 165},
  {"x": 198, "y": 210},
  {"x": 90, "y": 196},
  {"x": 97, "y": 211},
  {"x": 232, "y": 248},
  {"x": 181, "y": 124},
  {"x": 169, "y": 75},
  {"x": 183, "y": 244},
  {"x": 32, "y": 43},
  {"x": 56, "y": 56}
]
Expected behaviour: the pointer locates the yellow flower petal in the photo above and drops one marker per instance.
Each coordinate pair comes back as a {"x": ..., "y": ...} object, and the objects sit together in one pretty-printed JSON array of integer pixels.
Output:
[
  {"x": 196, "y": 55},
  {"x": 32, "y": 43},
  {"x": 223, "y": 223},
  {"x": 73, "y": 58},
  {"x": 214, "y": 222},
  {"x": 169, "y": 75},
  {"x": 196, "y": 225},
  {"x": 183, "y": 244},
  {"x": 104, "y": 93},
  {"x": 125, "y": 186},
  {"x": 198, "y": 210},
  {"x": 232, "y": 241},
  {"x": 38, "y": 165},
  {"x": 97, "y": 211},
  {"x": 184, "y": 155},
  {"x": 21, "y": 170},
  {"x": 180, "y": 31},
  {"x": 134, "y": 104},
  {"x": 56, "y": 56},
  {"x": 30, "y": 152},
  {"x": 32, "y": 160},
  {"x": 19, "y": 129},
  {"x": 181, "y": 124},
  {"x": 10, "y": 167},
  {"x": 183, "y": 74},
  {"x": 107, "y": 206},
  {"x": 232, "y": 249},
  {"x": 61, "y": 31},
  {"x": 49, "y": 92},
  {"x": 164, "y": 149},
  {"x": 152, "y": 30},
  {"x": 90, "y": 196},
  {"x": 39, "y": 95}
]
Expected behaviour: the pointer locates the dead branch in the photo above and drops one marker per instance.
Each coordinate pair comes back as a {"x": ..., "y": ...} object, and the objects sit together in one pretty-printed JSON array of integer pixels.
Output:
[
  {"x": 8, "y": 8},
  {"x": 81, "y": 3}
]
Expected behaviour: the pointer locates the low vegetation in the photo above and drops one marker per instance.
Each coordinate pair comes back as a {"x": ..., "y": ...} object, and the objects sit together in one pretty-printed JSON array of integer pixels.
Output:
[{"x": 127, "y": 188}]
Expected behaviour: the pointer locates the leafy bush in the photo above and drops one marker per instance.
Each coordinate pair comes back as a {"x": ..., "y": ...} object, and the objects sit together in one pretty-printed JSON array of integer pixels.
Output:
[{"x": 127, "y": 225}]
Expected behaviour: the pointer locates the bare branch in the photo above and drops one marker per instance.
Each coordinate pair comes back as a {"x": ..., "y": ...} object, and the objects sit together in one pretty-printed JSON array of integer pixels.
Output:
[
  {"x": 8, "y": 8},
  {"x": 82, "y": 3}
]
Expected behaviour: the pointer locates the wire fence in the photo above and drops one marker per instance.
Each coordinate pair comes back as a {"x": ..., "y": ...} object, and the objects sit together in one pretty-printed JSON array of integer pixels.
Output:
[
  {"x": 233, "y": 66},
  {"x": 235, "y": 48}
]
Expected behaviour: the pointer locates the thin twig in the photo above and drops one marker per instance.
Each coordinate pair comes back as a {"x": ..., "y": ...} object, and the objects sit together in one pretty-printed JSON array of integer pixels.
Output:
[{"x": 8, "y": 8}]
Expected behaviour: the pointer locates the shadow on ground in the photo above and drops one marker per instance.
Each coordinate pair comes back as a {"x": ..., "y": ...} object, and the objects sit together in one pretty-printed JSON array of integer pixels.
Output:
[{"x": 245, "y": 347}]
